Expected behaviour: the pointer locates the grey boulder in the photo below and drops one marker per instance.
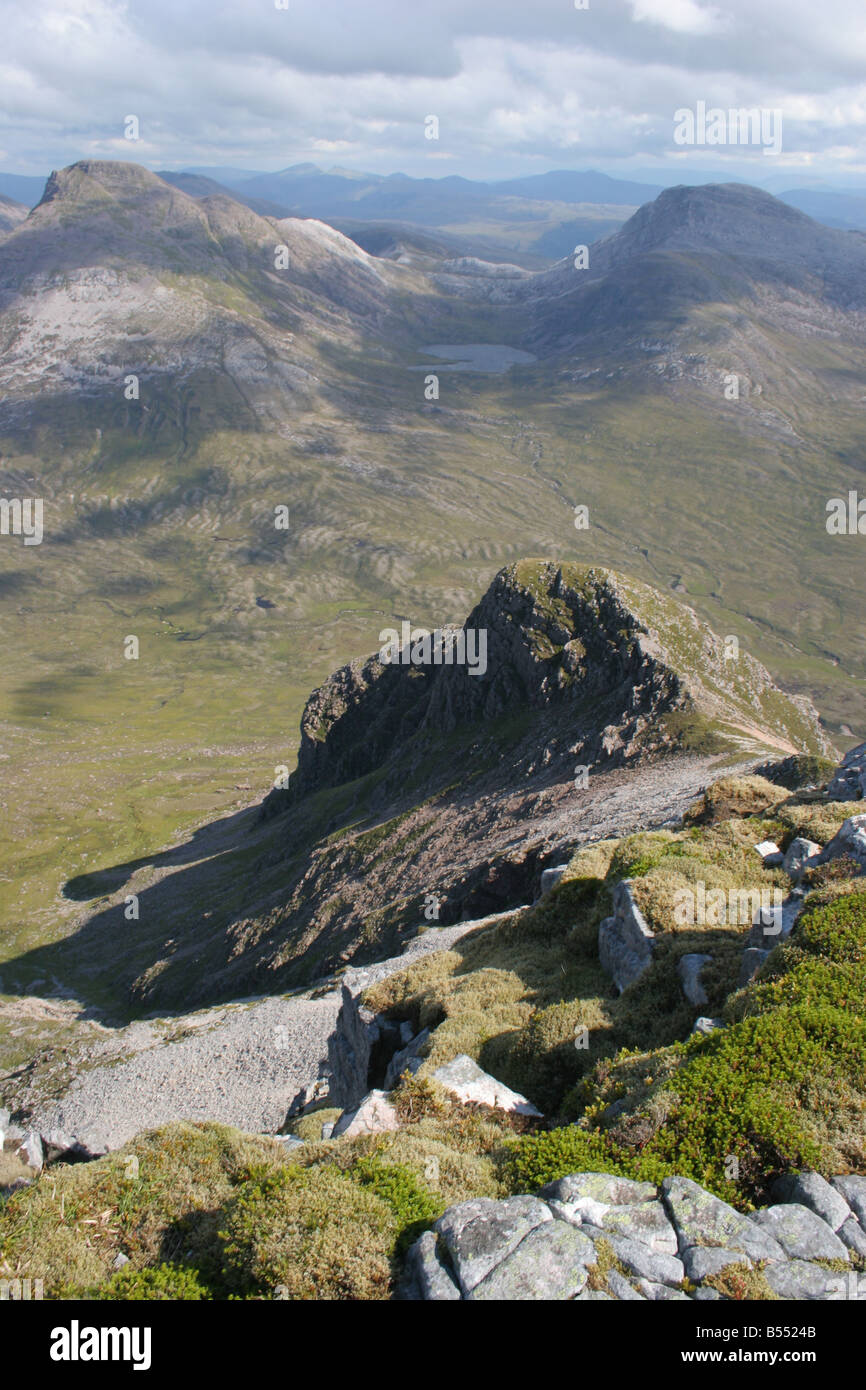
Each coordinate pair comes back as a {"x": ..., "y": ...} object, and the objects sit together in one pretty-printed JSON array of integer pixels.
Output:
[
  {"x": 549, "y": 1264},
  {"x": 702, "y": 1219},
  {"x": 625, "y": 942},
  {"x": 801, "y": 1234},
  {"x": 689, "y": 969},
  {"x": 814, "y": 1192},
  {"x": 481, "y": 1233}
]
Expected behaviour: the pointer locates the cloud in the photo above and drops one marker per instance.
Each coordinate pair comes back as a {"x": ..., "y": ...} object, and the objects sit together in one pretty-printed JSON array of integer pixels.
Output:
[
  {"x": 682, "y": 16},
  {"x": 516, "y": 87}
]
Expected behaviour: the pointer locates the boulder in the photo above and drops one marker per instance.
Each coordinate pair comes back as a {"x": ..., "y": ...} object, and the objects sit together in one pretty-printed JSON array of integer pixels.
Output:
[
  {"x": 625, "y": 941},
  {"x": 699, "y": 1218},
  {"x": 704, "y": 1026},
  {"x": 464, "y": 1078},
  {"x": 374, "y": 1115},
  {"x": 700, "y": 1261},
  {"x": 801, "y": 855},
  {"x": 798, "y": 1279},
  {"x": 849, "y": 841},
  {"x": 549, "y": 1263},
  {"x": 852, "y": 1189},
  {"x": 814, "y": 1192},
  {"x": 550, "y": 878},
  {"x": 750, "y": 963},
  {"x": 689, "y": 969},
  {"x": 481, "y": 1233},
  {"x": 425, "y": 1274},
  {"x": 801, "y": 1234}
]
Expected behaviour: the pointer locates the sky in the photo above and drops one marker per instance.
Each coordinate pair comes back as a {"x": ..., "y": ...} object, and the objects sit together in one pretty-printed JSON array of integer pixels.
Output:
[{"x": 517, "y": 86}]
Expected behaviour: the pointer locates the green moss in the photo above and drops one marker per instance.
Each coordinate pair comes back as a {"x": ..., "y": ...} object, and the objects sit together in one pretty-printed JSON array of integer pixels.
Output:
[
  {"x": 305, "y": 1233},
  {"x": 413, "y": 1206},
  {"x": 162, "y": 1282}
]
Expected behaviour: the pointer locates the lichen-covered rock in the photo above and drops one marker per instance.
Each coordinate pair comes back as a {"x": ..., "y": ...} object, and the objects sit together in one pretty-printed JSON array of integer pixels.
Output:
[
  {"x": 549, "y": 1263},
  {"x": 700, "y": 1261},
  {"x": 481, "y": 1233},
  {"x": 665, "y": 1245},
  {"x": 849, "y": 841},
  {"x": 622, "y": 1289},
  {"x": 814, "y": 1192},
  {"x": 853, "y": 1236},
  {"x": 425, "y": 1275},
  {"x": 852, "y": 1189},
  {"x": 796, "y": 1279},
  {"x": 660, "y": 1292},
  {"x": 646, "y": 1222},
  {"x": 645, "y": 1262},
  {"x": 702, "y": 1219},
  {"x": 585, "y": 1197},
  {"x": 801, "y": 1234}
]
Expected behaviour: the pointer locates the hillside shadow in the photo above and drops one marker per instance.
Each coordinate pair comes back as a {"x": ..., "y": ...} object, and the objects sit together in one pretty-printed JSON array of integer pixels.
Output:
[{"x": 101, "y": 882}]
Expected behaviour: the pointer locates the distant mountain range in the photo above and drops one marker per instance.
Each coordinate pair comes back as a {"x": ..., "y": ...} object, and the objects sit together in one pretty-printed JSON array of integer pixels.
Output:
[{"x": 532, "y": 220}]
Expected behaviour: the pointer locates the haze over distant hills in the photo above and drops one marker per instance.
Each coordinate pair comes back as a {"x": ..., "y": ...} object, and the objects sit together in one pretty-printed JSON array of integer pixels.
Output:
[{"x": 533, "y": 219}]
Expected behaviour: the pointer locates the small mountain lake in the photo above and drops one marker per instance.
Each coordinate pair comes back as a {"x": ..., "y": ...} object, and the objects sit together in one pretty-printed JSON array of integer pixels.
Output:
[{"x": 476, "y": 357}]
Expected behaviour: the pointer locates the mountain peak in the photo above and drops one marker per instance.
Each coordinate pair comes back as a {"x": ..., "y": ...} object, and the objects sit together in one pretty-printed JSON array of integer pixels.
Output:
[{"x": 610, "y": 669}]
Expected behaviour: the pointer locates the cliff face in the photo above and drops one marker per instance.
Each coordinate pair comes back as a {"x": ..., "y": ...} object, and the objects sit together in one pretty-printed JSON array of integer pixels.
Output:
[{"x": 610, "y": 670}]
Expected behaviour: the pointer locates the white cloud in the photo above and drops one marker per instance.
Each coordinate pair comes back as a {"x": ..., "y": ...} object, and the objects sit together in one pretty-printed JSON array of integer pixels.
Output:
[
  {"x": 682, "y": 16},
  {"x": 516, "y": 86}
]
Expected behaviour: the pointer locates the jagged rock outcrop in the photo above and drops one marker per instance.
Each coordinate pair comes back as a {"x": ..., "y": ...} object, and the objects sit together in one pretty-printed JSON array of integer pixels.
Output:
[{"x": 609, "y": 667}]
